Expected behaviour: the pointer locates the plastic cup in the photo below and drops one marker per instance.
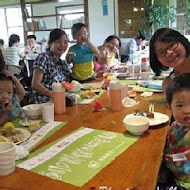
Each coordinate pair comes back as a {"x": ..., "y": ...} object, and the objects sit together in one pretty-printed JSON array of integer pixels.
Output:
[
  {"x": 48, "y": 112},
  {"x": 7, "y": 158}
]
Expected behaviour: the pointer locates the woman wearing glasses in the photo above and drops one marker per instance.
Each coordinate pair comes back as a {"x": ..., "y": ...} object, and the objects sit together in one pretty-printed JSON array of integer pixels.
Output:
[{"x": 169, "y": 48}]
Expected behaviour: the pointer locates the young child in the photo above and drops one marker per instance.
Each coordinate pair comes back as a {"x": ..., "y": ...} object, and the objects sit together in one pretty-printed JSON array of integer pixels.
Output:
[
  {"x": 177, "y": 152},
  {"x": 81, "y": 54},
  {"x": 107, "y": 55},
  {"x": 9, "y": 100}
]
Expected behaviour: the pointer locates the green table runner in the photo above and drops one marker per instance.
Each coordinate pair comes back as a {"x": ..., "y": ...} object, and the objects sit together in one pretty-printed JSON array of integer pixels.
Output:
[{"x": 79, "y": 156}]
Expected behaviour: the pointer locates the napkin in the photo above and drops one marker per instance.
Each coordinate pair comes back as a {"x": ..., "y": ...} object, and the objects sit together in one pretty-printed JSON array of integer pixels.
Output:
[
  {"x": 146, "y": 94},
  {"x": 129, "y": 102},
  {"x": 21, "y": 152}
]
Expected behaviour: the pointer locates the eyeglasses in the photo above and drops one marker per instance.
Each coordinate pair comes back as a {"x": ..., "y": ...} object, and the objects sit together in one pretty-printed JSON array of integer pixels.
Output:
[{"x": 171, "y": 47}]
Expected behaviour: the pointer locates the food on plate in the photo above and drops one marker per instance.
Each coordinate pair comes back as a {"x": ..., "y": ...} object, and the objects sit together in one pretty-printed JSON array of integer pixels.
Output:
[
  {"x": 144, "y": 113},
  {"x": 98, "y": 106},
  {"x": 12, "y": 134},
  {"x": 3, "y": 139},
  {"x": 87, "y": 94},
  {"x": 132, "y": 94}
]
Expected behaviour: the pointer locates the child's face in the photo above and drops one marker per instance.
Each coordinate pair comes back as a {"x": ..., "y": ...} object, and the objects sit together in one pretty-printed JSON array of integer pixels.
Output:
[
  {"x": 113, "y": 45},
  {"x": 81, "y": 34},
  {"x": 6, "y": 91},
  {"x": 180, "y": 107}
]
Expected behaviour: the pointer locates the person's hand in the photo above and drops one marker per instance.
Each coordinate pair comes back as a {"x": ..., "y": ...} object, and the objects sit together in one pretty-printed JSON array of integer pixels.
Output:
[
  {"x": 7, "y": 108},
  {"x": 85, "y": 38},
  {"x": 9, "y": 74},
  {"x": 69, "y": 56}
]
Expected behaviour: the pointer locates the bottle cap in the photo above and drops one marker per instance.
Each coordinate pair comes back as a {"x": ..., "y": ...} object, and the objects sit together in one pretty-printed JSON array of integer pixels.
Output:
[
  {"x": 144, "y": 59},
  {"x": 115, "y": 84},
  {"x": 57, "y": 87}
]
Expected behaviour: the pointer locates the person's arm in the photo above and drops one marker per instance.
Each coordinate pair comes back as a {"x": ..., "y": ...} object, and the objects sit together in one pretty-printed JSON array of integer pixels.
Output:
[
  {"x": 94, "y": 49},
  {"x": 37, "y": 83},
  {"x": 165, "y": 83},
  {"x": 69, "y": 56},
  {"x": 19, "y": 88},
  {"x": 132, "y": 46}
]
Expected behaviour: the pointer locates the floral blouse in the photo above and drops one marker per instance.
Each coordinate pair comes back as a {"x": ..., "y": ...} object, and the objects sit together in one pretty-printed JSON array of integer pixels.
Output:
[{"x": 178, "y": 141}]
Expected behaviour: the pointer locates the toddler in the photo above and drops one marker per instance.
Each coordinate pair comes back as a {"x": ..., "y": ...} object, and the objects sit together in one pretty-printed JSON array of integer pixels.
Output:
[
  {"x": 9, "y": 100},
  {"x": 177, "y": 151},
  {"x": 81, "y": 54}
]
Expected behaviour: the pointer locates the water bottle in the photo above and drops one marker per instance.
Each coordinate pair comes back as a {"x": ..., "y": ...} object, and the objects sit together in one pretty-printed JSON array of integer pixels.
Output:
[
  {"x": 115, "y": 95},
  {"x": 58, "y": 98}
]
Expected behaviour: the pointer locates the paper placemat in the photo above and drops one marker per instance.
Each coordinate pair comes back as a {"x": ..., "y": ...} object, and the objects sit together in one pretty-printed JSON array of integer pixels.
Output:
[
  {"x": 45, "y": 131},
  {"x": 87, "y": 150}
]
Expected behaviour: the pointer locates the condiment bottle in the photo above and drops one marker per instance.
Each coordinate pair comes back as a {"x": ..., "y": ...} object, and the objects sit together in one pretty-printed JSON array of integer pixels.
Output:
[
  {"x": 144, "y": 64},
  {"x": 58, "y": 98},
  {"x": 115, "y": 95}
]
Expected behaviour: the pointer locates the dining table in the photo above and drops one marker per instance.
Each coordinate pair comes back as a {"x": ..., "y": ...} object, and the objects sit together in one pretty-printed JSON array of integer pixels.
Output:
[{"x": 136, "y": 168}]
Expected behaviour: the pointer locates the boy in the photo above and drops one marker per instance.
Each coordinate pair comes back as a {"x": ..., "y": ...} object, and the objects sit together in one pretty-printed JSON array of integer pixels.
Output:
[
  {"x": 81, "y": 54},
  {"x": 178, "y": 139}
]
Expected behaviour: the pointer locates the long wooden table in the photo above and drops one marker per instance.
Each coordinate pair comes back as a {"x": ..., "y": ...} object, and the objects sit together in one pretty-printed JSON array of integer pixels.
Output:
[{"x": 136, "y": 168}]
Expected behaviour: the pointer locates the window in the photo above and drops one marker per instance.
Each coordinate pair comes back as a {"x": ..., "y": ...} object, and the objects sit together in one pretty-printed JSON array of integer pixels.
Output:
[
  {"x": 11, "y": 23},
  {"x": 71, "y": 14}
]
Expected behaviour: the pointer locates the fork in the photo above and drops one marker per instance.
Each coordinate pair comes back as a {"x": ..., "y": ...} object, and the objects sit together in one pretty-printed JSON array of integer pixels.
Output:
[{"x": 151, "y": 107}]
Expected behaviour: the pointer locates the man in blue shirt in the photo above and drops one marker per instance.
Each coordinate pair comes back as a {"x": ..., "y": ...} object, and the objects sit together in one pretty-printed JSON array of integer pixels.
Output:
[{"x": 135, "y": 44}]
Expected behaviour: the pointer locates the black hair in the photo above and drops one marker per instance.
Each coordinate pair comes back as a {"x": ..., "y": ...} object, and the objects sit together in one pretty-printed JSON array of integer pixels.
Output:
[
  {"x": 56, "y": 34},
  {"x": 141, "y": 36},
  {"x": 165, "y": 35},
  {"x": 76, "y": 27},
  {"x": 3, "y": 77},
  {"x": 178, "y": 84},
  {"x": 13, "y": 39},
  {"x": 31, "y": 37},
  {"x": 2, "y": 62},
  {"x": 2, "y": 41},
  {"x": 109, "y": 38}
]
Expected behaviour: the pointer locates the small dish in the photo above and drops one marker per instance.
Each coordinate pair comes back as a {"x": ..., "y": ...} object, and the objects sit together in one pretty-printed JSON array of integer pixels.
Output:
[
  {"x": 136, "y": 125},
  {"x": 33, "y": 111}
]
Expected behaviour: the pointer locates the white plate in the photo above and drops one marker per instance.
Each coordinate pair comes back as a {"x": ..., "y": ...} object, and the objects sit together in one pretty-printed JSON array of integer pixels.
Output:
[
  {"x": 159, "y": 118},
  {"x": 26, "y": 135},
  {"x": 29, "y": 122}
]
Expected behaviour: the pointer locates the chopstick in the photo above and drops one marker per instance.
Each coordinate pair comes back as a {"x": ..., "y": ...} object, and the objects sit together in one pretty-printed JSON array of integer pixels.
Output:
[{"x": 151, "y": 107}]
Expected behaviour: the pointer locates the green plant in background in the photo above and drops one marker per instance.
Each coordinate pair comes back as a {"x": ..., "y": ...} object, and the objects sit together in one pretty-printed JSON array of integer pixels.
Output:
[
  {"x": 159, "y": 15},
  {"x": 156, "y": 16}
]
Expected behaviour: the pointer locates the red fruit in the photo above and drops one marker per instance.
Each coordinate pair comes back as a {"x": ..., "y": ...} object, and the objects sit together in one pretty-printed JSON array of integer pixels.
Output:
[
  {"x": 67, "y": 85},
  {"x": 97, "y": 105}
]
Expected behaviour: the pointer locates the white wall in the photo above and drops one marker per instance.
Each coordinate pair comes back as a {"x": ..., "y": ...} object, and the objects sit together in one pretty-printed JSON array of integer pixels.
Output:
[{"x": 100, "y": 26}]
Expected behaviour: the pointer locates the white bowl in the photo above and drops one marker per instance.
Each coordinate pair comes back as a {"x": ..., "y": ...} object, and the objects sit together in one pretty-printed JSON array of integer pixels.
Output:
[
  {"x": 33, "y": 111},
  {"x": 136, "y": 125}
]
